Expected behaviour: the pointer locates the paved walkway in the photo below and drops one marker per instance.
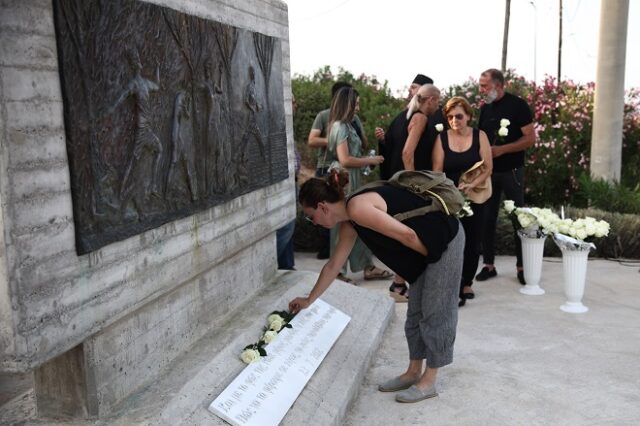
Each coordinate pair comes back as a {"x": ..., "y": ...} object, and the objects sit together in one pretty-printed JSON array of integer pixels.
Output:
[{"x": 520, "y": 360}]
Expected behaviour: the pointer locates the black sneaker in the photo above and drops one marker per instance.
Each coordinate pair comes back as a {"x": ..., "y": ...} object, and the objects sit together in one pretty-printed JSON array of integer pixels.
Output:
[
  {"x": 486, "y": 273},
  {"x": 521, "y": 278}
]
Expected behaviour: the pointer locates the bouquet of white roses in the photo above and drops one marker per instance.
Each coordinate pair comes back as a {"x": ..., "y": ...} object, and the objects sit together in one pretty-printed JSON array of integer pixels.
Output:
[
  {"x": 533, "y": 222},
  {"x": 579, "y": 234},
  {"x": 276, "y": 322}
]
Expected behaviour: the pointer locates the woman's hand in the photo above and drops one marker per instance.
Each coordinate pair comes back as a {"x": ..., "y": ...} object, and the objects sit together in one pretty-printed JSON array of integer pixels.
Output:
[
  {"x": 466, "y": 187},
  {"x": 298, "y": 304},
  {"x": 375, "y": 160},
  {"x": 379, "y": 134}
]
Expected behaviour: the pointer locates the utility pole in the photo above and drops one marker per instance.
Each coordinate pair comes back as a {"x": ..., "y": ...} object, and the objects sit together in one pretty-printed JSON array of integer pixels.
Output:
[
  {"x": 560, "y": 43},
  {"x": 505, "y": 34}
]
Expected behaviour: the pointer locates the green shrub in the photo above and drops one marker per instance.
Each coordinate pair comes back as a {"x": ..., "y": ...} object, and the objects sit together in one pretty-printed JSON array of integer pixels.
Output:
[{"x": 600, "y": 194}]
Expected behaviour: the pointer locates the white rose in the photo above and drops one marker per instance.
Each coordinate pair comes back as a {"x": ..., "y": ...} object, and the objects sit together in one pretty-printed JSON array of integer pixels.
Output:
[
  {"x": 439, "y": 127},
  {"x": 276, "y": 324},
  {"x": 503, "y": 131},
  {"x": 602, "y": 229},
  {"x": 525, "y": 220},
  {"x": 581, "y": 234},
  {"x": 269, "y": 336},
  {"x": 590, "y": 228},
  {"x": 273, "y": 317},
  {"x": 249, "y": 355},
  {"x": 504, "y": 123},
  {"x": 509, "y": 205}
]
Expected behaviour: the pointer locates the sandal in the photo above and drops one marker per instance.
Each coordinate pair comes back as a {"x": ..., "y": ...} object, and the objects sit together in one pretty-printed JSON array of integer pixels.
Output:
[
  {"x": 401, "y": 296},
  {"x": 373, "y": 273},
  {"x": 346, "y": 279}
]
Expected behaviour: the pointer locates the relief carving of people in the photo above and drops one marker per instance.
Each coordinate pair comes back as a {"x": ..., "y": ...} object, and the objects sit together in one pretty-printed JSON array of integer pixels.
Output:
[
  {"x": 252, "y": 131},
  {"x": 213, "y": 119},
  {"x": 182, "y": 153},
  {"x": 145, "y": 140}
]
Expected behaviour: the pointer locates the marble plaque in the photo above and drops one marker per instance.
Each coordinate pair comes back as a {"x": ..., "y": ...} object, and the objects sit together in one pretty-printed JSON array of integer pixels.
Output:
[{"x": 265, "y": 390}]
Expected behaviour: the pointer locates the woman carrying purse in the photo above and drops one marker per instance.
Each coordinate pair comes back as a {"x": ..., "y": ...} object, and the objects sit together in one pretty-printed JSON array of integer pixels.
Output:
[{"x": 456, "y": 151}]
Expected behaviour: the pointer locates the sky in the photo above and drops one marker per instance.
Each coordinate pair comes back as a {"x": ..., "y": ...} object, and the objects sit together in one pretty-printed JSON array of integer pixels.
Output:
[{"x": 450, "y": 40}]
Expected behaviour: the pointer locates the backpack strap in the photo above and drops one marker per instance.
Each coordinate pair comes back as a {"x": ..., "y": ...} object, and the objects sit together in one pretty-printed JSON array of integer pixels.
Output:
[
  {"x": 415, "y": 212},
  {"x": 364, "y": 188}
]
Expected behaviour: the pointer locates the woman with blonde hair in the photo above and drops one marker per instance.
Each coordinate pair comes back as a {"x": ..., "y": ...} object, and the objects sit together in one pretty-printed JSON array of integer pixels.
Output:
[{"x": 345, "y": 147}]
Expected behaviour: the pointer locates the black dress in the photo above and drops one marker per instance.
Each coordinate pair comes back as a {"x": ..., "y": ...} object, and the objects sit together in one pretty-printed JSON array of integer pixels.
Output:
[{"x": 456, "y": 163}]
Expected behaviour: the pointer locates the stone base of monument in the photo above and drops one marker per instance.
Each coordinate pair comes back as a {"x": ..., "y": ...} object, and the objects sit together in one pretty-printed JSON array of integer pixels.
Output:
[{"x": 185, "y": 389}]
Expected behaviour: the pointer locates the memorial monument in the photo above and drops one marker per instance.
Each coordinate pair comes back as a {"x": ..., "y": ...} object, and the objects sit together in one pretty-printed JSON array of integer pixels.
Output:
[{"x": 145, "y": 151}]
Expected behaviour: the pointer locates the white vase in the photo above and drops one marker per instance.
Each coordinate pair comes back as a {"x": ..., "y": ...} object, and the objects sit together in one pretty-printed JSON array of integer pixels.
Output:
[
  {"x": 532, "y": 251},
  {"x": 574, "y": 265}
]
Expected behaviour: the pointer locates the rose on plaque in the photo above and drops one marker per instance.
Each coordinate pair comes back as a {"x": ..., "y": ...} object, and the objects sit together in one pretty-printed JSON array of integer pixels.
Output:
[{"x": 276, "y": 322}]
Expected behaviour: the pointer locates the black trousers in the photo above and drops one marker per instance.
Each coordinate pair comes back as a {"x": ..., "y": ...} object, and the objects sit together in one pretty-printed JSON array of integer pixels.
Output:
[
  {"x": 511, "y": 183},
  {"x": 473, "y": 231}
]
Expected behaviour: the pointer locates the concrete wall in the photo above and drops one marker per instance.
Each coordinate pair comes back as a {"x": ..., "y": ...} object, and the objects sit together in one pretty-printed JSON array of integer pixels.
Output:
[{"x": 136, "y": 303}]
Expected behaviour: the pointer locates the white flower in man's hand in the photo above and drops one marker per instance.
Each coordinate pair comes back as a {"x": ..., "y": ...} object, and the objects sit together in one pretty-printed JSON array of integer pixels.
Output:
[
  {"x": 503, "y": 131},
  {"x": 504, "y": 122},
  {"x": 269, "y": 336},
  {"x": 439, "y": 127},
  {"x": 249, "y": 355}
]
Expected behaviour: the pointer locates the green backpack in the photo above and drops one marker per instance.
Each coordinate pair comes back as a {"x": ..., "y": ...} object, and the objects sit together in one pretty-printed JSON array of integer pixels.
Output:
[{"x": 432, "y": 186}]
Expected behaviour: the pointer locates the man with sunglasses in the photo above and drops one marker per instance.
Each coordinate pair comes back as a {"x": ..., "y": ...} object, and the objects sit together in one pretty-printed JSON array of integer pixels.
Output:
[{"x": 508, "y": 159}]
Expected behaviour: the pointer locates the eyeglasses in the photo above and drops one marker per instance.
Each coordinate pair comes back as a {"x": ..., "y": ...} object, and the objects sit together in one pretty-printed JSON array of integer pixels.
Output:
[
  {"x": 456, "y": 116},
  {"x": 310, "y": 218},
  {"x": 421, "y": 98}
]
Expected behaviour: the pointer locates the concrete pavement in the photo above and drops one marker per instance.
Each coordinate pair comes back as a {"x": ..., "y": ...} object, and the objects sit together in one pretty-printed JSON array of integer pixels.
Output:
[{"x": 520, "y": 360}]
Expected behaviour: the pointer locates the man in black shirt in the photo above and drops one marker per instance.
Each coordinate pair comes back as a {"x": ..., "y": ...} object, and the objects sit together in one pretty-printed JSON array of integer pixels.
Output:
[{"x": 502, "y": 111}]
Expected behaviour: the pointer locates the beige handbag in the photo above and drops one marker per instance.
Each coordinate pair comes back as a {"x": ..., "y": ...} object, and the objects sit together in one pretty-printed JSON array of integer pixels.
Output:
[{"x": 482, "y": 192}]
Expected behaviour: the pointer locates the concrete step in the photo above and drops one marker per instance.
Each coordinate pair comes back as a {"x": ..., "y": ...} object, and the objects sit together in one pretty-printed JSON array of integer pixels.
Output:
[
  {"x": 183, "y": 394},
  {"x": 187, "y": 387}
]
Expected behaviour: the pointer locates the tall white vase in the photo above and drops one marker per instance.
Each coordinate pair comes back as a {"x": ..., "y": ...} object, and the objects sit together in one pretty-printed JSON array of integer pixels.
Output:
[
  {"x": 532, "y": 251},
  {"x": 574, "y": 265}
]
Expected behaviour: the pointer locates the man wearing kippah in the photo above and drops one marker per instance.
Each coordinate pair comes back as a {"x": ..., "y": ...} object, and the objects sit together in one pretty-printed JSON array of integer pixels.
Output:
[{"x": 391, "y": 145}]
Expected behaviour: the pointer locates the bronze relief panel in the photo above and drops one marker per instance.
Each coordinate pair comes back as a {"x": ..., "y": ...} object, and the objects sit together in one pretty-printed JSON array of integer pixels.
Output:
[{"x": 166, "y": 114}]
